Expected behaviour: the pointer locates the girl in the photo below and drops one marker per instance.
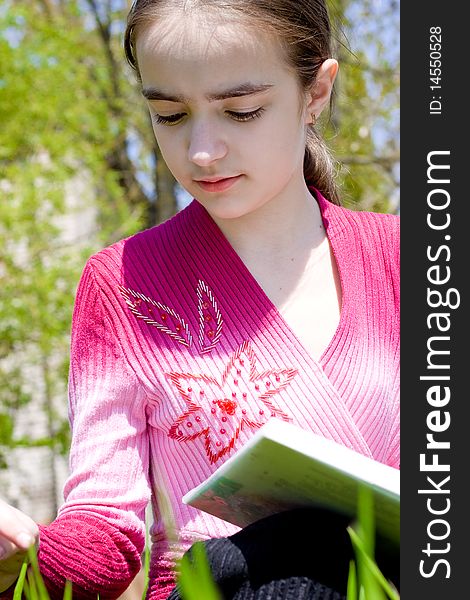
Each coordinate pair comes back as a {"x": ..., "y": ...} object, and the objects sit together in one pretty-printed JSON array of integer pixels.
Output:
[{"x": 262, "y": 299}]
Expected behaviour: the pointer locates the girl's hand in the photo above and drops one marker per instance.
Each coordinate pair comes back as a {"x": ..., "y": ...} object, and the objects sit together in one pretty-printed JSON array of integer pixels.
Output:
[{"x": 17, "y": 533}]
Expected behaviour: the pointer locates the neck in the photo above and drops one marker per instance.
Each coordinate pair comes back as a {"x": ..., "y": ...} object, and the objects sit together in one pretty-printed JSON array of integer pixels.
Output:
[{"x": 287, "y": 226}]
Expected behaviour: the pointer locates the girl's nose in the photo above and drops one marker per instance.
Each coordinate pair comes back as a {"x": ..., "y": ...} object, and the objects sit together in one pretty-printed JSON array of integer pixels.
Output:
[{"x": 206, "y": 145}]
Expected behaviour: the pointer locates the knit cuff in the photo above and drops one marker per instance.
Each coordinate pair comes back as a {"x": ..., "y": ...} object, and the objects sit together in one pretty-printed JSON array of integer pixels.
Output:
[{"x": 95, "y": 556}]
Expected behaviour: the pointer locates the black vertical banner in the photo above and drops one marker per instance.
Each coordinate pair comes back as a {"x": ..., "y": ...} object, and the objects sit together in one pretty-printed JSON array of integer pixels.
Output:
[{"x": 435, "y": 266}]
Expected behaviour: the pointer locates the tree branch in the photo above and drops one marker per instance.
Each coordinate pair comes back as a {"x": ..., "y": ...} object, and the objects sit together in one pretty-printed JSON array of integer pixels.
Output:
[{"x": 105, "y": 33}]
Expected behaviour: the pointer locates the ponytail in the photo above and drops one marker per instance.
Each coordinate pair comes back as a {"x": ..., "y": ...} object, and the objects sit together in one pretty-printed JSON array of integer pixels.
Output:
[{"x": 319, "y": 167}]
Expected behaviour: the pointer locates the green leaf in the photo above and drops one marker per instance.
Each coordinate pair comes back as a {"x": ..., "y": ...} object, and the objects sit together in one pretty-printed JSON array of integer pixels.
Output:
[
  {"x": 195, "y": 579},
  {"x": 351, "y": 593},
  {"x": 68, "y": 591},
  {"x": 366, "y": 520},
  {"x": 18, "y": 593},
  {"x": 37, "y": 587},
  {"x": 369, "y": 564}
]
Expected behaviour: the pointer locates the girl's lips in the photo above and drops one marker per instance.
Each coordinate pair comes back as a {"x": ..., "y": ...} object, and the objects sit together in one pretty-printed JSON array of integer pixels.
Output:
[{"x": 221, "y": 185}]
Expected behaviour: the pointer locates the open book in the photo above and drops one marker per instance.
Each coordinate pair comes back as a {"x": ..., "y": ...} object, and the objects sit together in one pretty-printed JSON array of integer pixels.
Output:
[{"x": 283, "y": 466}]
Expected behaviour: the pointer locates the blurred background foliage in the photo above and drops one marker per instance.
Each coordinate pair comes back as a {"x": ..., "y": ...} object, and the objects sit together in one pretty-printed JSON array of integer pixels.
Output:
[{"x": 79, "y": 169}]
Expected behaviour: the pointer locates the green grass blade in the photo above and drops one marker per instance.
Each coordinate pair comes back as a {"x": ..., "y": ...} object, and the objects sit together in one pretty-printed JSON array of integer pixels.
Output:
[
  {"x": 26, "y": 589},
  {"x": 146, "y": 571},
  {"x": 18, "y": 593},
  {"x": 31, "y": 585},
  {"x": 146, "y": 565},
  {"x": 205, "y": 575},
  {"x": 365, "y": 527},
  {"x": 39, "y": 586},
  {"x": 351, "y": 593},
  {"x": 371, "y": 566},
  {"x": 67, "y": 591},
  {"x": 366, "y": 520},
  {"x": 187, "y": 580},
  {"x": 195, "y": 578}
]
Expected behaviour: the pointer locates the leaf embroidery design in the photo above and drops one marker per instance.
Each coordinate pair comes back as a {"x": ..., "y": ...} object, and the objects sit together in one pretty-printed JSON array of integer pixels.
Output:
[
  {"x": 210, "y": 319},
  {"x": 158, "y": 315}
]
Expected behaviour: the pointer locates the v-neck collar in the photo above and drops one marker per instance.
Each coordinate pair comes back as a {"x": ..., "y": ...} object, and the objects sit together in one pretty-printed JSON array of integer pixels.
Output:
[
  {"x": 334, "y": 231},
  {"x": 250, "y": 314}
]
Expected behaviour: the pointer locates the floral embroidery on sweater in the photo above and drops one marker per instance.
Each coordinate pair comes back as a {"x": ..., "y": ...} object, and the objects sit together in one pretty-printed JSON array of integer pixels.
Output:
[{"x": 218, "y": 410}]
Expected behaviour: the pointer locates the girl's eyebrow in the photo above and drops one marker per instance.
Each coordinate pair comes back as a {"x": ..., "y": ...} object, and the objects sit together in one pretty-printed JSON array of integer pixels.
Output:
[{"x": 245, "y": 89}]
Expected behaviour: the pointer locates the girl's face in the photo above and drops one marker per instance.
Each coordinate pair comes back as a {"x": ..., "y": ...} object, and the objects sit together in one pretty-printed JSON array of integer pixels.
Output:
[{"x": 227, "y": 112}]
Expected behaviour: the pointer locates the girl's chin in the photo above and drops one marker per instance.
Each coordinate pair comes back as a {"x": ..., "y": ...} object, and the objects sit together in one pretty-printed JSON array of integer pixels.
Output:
[{"x": 228, "y": 209}]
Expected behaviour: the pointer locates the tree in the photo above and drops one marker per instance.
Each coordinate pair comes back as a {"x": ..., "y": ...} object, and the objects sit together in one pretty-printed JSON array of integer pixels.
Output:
[
  {"x": 63, "y": 161},
  {"x": 363, "y": 130}
]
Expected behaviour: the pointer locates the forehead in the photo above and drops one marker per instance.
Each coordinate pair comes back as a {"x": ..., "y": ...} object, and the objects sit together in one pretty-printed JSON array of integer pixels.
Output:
[{"x": 201, "y": 44}]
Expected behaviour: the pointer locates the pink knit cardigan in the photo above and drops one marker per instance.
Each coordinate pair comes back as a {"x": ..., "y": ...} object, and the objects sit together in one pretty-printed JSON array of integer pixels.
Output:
[{"x": 177, "y": 357}]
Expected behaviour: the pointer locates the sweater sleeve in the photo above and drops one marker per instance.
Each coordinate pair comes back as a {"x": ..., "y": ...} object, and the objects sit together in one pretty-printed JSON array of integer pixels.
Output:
[{"x": 98, "y": 536}]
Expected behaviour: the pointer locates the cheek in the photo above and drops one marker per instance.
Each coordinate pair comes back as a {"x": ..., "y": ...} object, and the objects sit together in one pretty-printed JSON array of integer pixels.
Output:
[
  {"x": 279, "y": 141},
  {"x": 284, "y": 126},
  {"x": 170, "y": 146}
]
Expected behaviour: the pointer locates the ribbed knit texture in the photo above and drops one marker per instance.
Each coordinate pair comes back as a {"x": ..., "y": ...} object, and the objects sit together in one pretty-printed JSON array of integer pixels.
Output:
[{"x": 178, "y": 356}]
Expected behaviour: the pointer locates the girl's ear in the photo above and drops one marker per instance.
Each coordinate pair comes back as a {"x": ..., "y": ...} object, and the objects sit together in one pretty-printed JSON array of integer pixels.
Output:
[{"x": 319, "y": 96}]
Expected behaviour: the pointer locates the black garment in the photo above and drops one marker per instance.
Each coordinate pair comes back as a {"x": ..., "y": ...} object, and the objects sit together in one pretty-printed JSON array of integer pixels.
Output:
[{"x": 302, "y": 554}]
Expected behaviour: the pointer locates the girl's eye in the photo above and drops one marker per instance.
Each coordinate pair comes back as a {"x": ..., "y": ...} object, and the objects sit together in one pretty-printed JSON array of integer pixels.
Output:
[
  {"x": 245, "y": 116},
  {"x": 168, "y": 119},
  {"x": 236, "y": 116}
]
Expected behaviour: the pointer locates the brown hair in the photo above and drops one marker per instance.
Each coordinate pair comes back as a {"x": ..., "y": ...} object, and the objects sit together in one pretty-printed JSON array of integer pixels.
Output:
[{"x": 302, "y": 26}]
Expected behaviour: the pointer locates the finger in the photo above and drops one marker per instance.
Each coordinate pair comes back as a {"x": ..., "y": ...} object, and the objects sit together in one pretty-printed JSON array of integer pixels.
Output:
[
  {"x": 17, "y": 537},
  {"x": 7, "y": 548},
  {"x": 16, "y": 528},
  {"x": 26, "y": 524}
]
